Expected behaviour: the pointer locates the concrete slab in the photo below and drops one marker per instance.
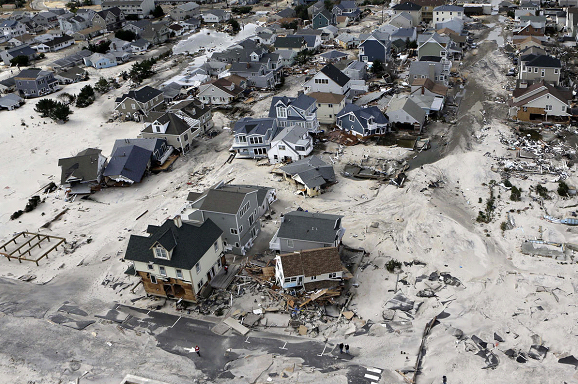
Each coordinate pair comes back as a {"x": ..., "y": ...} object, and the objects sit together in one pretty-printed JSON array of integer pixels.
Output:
[
  {"x": 70, "y": 322},
  {"x": 236, "y": 326},
  {"x": 220, "y": 329},
  {"x": 72, "y": 309},
  {"x": 113, "y": 315}
]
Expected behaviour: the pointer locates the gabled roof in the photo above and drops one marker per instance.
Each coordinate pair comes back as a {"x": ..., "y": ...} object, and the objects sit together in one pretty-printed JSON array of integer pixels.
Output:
[
  {"x": 226, "y": 85},
  {"x": 289, "y": 42},
  {"x": 436, "y": 59},
  {"x": 150, "y": 144},
  {"x": 189, "y": 243},
  {"x": 22, "y": 50},
  {"x": 83, "y": 166},
  {"x": 335, "y": 74},
  {"x": 287, "y": 12},
  {"x": 313, "y": 171},
  {"x": 224, "y": 201},
  {"x": 142, "y": 95},
  {"x": 301, "y": 102},
  {"x": 58, "y": 40},
  {"x": 293, "y": 135},
  {"x": 250, "y": 126},
  {"x": 309, "y": 226},
  {"x": 364, "y": 114},
  {"x": 333, "y": 55},
  {"x": 408, "y": 106},
  {"x": 191, "y": 5},
  {"x": 130, "y": 161},
  {"x": 31, "y": 74},
  {"x": 217, "y": 12},
  {"x": 311, "y": 262},
  {"x": 431, "y": 86},
  {"x": 529, "y": 94},
  {"x": 448, "y": 8},
  {"x": 406, "y": 6},
  {"x": 325, "y": 13},
  {"x": 177, "y": 124},
  {"x": 542, "y": 61}
]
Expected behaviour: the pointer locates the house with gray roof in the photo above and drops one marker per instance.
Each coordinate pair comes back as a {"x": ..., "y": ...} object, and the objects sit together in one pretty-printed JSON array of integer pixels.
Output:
[
  {"x": 356, "y": 70},
  {"x": 362, "y": 122},
  {"x": 536, "y": 67},
  {"x": 293, "y": 43},
  {"x": 404, "y": 113},
  {"x": 138, "y": 8},
  {"x": 333, "y": 56},
  {"x": 11, "y": 28},
  {"x": 253, "y": 136},
  {"x": 295, "y": 111},
  {"x": 236, "y": 209},
  {"x": 35, "y": 82},
  {"x": 159, "y": 148},
  {"x": 139, "y": 102},
  {"x": 178, "y": 129},
  {"x": 21, "y": 50},
  {"x": 11, "y": 101},
  {"x": 71, "y": 75},
  {"x": 323, "y": 19},
  {"x": 310, "y": 176},
  {"x": 127, "y": 165},
  {"x": 300, "y": 230},
  {"x": 291, "y": 144},
  {"x": 401, "y": 20},
  {"x": 348, "y": 9},
  {"x": 216, "y": 16},
  {"x": 429, "y": 68},
  {"x": 101, "y": 60},
  {"x": 46, "y": 19},
  {"x": 177, "y": 259},
  {"x": 376, "y": 46},
  {"x": 219, "y": 92},
  {"x": 256, "y": 73},
  {"x": 447, "y": 12},
  {"x": 185, "y": 11},
  {"x": 195, "y": 109},
  {"x": 55, "y": 44},
  {"x": 82, "y": 173}
]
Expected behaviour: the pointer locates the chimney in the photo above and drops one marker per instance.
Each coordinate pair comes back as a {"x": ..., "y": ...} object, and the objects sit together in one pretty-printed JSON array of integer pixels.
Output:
[{"x": 178, "y": 221}]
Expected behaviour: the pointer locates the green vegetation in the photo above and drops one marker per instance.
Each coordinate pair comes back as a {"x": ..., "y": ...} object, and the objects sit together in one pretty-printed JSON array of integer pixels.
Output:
[
  {"x": 125, "y": 35},
  {"x": 392, "y": 265},
  {"x": 235, "y": 25},
  {"x": 85, "y": 97},
  {"x": 292, "y": 25},
  {"x": 301, "y": 12},
  {"x": 487, "y": 215},
  {"x": 53, "y": 109},
  {"x": 563, "y": 189},
  {"x": 101, "y": 47},
  {"x": 515, "y": 194},
  {"x": 375, "y": 2},
  {"x": 242, "y": 10},
  {"x": 158, "y": 12},
  {"x": 103, "y": 85},
  {"x": 303, "y": 57},
  {"x": 377, "y": 68},
  {"x": 503, "y": 226},
  {"x": 543, "y": 192},
  {"x": 142, "y": 70},
  {"x": 20, "y": 61}
]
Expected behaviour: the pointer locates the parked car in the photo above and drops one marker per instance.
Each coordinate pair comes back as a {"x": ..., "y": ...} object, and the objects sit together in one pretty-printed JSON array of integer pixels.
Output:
[{"x": 511, "y": 72}]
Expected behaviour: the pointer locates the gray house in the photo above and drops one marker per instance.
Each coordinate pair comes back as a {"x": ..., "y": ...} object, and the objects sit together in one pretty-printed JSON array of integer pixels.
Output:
[
  {"x": 159, "y": 148},
  {"x": 295, "y": 111},
  {"x": 127, "y": 165},
  {"x": 253, "y": 136},
  {"x": 83, "y": 172},
  {"x": 375, "y": 47},
  {"x": 356, "y": 70},
  {"x": 256, "y": 73},
  {"x": 21, "y": 50},
  {"x": 195, "y": 109},
  {"x": 302, "y": 230},
  {"x": 362, "y": 121},
  {"x": 429, "y": 67},
  {"x": 236, "y": 209},
  {"x": 535, "y": 68},
  {"x": 35, "y": 82},
  {"x": 176, "y": 128},
  {"x": 310, "y": 175},
  {"x": 139, "y": 102}
]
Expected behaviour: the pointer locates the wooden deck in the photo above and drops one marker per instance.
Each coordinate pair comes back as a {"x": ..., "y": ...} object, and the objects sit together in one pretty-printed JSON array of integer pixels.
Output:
[
  {"x": 222, "y": 280},
  {"x": 28, "y": 246}
]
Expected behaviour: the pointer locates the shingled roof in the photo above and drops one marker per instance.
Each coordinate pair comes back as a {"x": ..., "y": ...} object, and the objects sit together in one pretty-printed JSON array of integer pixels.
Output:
[{"x": 312, "y": 262}]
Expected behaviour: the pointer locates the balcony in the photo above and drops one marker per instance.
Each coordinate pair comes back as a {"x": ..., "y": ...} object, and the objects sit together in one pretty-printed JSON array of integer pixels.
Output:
[{"x": 275, "y": 243}]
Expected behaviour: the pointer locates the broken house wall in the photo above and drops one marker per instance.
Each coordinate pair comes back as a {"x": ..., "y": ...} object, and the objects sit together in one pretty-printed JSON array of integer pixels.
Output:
[{"x": 159, "y": 290}]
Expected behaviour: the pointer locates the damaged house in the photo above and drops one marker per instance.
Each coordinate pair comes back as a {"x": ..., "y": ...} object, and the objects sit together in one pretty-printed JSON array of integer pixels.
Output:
[
  {"x": 362, "y": 122},
  {"x": 310, "y": 175},
  {"x": 83, "y": 173},
  {"x": 177, "y": 259},
  {"x": 302, "y": 230},
  {"x": 127, "y": 165},
  {"x": 236, "y": 209},
  {"x": 540, "y": 102},
  {"x": 140, "y": 102},
  {"x": 311, "y": 269}
]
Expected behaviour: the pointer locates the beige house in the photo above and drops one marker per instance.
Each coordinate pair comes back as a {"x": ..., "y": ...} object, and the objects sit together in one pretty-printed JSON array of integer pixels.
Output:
[
  {"x": 540, "y": 68},
  {"x": 177, "y": 128},
  {"x": 328, "y": 106},
  {"x": 176, "y": 259},
  {"x": 221, "y": 91}
]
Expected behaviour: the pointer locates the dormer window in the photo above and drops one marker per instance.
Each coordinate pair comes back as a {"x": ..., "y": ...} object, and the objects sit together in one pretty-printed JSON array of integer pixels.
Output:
[
  {"x": 161, "y": 253},
  {"x": 281, "y": 112}
]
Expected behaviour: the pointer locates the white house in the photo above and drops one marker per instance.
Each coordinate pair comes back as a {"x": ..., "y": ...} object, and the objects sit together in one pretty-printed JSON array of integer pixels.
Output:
[
  {"x": 447, "y": 12},
  {"x": 100, "y": 60},
  {"x": 311, "y": 269},
  {"x": 329, "y": 79},
  {"x": 216, "y": 16},
  {"x": 291, "y": 144},
  {"x": 12, "y": 28}
]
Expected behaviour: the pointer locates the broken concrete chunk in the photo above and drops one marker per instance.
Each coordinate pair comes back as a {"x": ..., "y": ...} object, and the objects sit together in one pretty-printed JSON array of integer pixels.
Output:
[
  {"x": 375, "y": 224},
  {"x": 458, "y": 333},
  {"x": 522, "y": 359},
  {"x": 348, "y": 315},
  {"x": 426, "y": 293},
  {"x": 388, "y": 314},
  {"x": 400, "y": 302},
  {"x": 302, "y": 330},
  {"x": 538, "y": 352}
]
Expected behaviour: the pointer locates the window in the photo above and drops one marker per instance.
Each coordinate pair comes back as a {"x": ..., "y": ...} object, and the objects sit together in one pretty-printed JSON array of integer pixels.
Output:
[
  {"x": 281, "y": 147},
  {"x": 281, "y": 112},
  {"x": 179, "y": 274},
  {"x": 254, "y": 232},
  {"x": 161, "y": 253},
  {"x": 243, "y": 139},
  {"x": 536, "y": 70},
  {"x": 163, "y": 271},
  {"x": 200, "y": 284},
  {"x": 287, "y": 280},
  {"x": 563, "y": 108},
  {"x": 330, "y": 105},
  {"x": 151, "y": 267},
  {"x": 186, "y": 137},
  {"x": 198, "y": 267},
  {"x": 234, "y": 231},
  {"x": 543, "y": 73},
  {"x": 313, "y": 278},
  {"x": 216, "y": 245},
  {"x": 290, "y": 243},
  {"x": 548, "y": 108},
  {"x": 153, "y": 279},
  {"x": 556, "y": 71},
  {"x": 351, "y": 118},
  {"x": 260, "y": 151},
  {"x": 241, "y": 229},
  {"x": 237, "y": 245},
  {"x": 332, "y": 275}
]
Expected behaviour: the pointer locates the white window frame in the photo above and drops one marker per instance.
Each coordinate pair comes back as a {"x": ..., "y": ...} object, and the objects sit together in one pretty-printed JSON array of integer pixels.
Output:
[
  {"x": 198, "y": 268},
  {"x": 162, "y": 270},
  {"x": 161, "y": 253},
  {"x": 179, "y": 273},
  {"x": 290, "y": 243},
  {"x": 153, "y": 279}
]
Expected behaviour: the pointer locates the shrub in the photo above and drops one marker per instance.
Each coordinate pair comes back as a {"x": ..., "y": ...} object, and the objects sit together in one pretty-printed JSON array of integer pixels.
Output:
[
  {"x": 85, "y": 97},
  {"x": 392, "y": 265},
  {"x": 56, "y": 110},
  {"x": 516, "y": 194},
  {"x": 543, "y": 192},
  {"x": 563, "y": 189},
  {"x": 125, "y": 35},
  {"x": 241, "y": 10},
  {"x": 507, "y": 183},
  {"x": 20, "y": 61}
]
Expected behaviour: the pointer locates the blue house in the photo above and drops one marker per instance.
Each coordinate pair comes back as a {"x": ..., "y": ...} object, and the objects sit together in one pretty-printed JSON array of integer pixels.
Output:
[
  {"x": 295, "y": 111},
  {"x": 362, "y": 121},
  {"x": 322, "y": 19},
  {"x": 347, "y": 8},
  {"x": 375, "y": 47}
]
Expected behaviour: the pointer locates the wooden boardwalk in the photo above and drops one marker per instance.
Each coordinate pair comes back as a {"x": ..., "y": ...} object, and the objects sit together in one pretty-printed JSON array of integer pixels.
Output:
[{"x": 222, "y": 280}]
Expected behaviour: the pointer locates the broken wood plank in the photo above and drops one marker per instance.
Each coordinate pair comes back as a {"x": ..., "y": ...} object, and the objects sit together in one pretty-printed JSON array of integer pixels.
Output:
[{"x": 142, "y": 214}]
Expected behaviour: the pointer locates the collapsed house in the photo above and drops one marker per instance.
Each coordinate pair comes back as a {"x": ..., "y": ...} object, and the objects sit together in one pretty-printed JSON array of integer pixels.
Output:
[
  {"x": 310, "y": 175},
  {"x": 82, "y": 173},
  {"x": 310, "y": 269}
]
